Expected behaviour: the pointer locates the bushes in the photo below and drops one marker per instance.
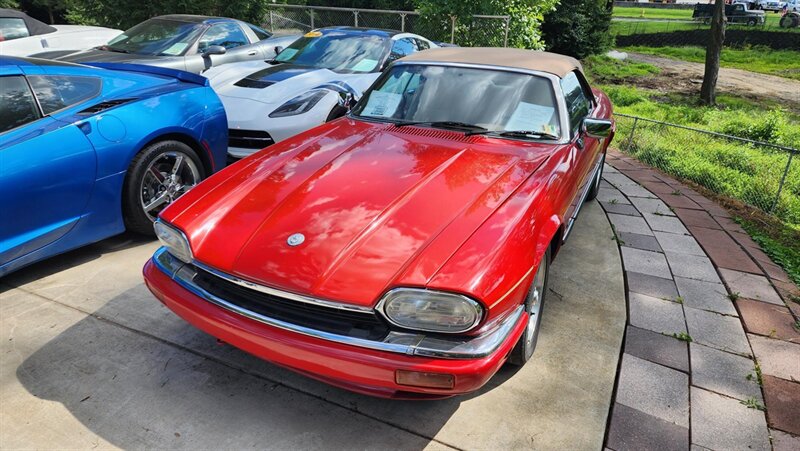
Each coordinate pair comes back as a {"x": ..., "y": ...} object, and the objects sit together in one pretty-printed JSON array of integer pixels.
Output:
[
  {"x": 524, "y": 27},
  {"x": 767, "y": 128}
]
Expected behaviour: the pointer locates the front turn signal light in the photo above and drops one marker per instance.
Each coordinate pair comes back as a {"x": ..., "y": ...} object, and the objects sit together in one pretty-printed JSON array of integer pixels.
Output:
[{"x": 426, "y": 380}]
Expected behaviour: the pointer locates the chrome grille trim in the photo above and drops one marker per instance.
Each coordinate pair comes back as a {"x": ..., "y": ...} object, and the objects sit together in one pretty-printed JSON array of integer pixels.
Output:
[{"x": 412, "y": 344}]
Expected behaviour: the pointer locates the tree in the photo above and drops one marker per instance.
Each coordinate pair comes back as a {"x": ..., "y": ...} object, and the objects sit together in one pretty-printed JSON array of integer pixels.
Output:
[
  {"x": 578, "y": 28},
  {"x": 708, "y": 91},
  {"x": 13, "y": 4},
  {"x": 126, "y": 13},
  {"x": 525, "y": 19},
  {"x": 52, "y": 7}
]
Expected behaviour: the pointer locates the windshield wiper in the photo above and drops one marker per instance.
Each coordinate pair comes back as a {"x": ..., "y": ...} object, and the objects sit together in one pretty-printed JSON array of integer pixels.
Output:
[
  {"x": 515, "y": 134},
  {"x": 445, "y": 124},
  {"x": 114, "y": 49}
]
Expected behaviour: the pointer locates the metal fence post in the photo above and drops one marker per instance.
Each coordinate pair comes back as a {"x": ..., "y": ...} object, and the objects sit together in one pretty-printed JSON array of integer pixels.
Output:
[
  {"x": 633, "y": 131},
  {"x": 452, "y": 29},
  {"x": 780, "y": 185},
  {"x": 311, "y": 13},
  {"x": 271, "y": 22},
  {"x": 355, "y": 18},
  {"x": 402, "y": 22},
  {"x": 505, "y": 34}
]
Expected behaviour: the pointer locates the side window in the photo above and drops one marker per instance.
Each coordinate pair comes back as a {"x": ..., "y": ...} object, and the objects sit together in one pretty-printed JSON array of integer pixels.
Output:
[
  {"x": 422, "y": 45},
  {"x": 17, "y": 105},
  {"x": 261, "y": 34},
  {"x": 12, "y": 28},
  {"x": 228, "y": 35},
  {"x": 56, "y": 92},
  {"x": 578, "y": 105},
  {"x": 402, "y": 47}
]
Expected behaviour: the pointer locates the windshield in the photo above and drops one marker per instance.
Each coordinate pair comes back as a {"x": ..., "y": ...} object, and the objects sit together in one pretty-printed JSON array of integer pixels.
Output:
[
  {"x": 339, "y": 52},
  {"x": 483, "y": 99},
  {"x": 156, "y": 37}
]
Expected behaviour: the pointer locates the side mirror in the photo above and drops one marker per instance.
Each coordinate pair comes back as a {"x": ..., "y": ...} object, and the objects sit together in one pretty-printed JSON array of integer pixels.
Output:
[
  {"x": 597, "y": 128},
  {"x": 278, "y": 49},
  {"x": 214, "y": 50}
]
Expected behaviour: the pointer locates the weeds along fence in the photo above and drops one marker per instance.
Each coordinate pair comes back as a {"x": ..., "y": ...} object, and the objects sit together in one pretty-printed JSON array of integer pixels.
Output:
[
  {"x": 760, "y": 174},
  {"x": 480, "y": 30}
]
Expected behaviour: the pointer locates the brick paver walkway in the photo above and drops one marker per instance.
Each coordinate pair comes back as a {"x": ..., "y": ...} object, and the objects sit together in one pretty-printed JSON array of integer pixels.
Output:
[{"x": 711, "y": 338}]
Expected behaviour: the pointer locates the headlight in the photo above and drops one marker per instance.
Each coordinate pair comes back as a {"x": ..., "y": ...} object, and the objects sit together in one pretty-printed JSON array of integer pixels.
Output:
[
  {"x": 174, "y": 240},
  {"x": 431, "y": 311},
  {"x": 300, "y": 104}
]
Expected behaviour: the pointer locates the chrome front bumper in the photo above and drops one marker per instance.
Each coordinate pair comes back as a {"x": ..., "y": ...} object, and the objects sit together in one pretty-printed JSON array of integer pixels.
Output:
[{"x": 417, "y": 344}]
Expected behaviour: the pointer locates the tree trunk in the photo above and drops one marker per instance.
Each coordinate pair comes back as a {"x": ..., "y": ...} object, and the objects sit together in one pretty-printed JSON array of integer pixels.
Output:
[{"x": 708, "y": 90}]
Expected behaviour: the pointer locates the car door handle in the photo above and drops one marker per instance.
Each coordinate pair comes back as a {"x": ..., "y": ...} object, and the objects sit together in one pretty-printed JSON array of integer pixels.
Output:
[
  {"x": 252, "y": 53},
  {"x": 579, "y": 142}
]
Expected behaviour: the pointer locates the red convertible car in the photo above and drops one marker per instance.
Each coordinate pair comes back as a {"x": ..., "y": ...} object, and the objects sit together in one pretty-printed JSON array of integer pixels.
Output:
[{"x": 402, "y": 250}]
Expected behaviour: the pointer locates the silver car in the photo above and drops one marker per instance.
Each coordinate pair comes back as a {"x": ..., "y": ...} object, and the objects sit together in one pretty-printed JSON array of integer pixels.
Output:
[{"x": 185, "y": 42}]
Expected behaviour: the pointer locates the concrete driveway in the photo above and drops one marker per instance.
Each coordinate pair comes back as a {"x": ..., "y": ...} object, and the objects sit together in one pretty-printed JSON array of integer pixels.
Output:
[{"x": 90, "y": 359}]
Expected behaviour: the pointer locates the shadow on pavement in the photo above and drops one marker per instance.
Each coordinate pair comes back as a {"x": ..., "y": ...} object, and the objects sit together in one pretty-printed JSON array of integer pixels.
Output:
[
  {"x": 137, "y": 376},
  {"x": 73, "y": 258}
]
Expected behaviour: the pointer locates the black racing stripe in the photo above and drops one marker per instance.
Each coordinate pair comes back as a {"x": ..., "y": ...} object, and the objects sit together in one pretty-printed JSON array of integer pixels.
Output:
[{"x": 273, "y": 74}]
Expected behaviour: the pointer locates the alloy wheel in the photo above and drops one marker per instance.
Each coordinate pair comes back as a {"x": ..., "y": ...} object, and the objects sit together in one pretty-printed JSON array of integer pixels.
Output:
[{"x": 167, "y": 177}]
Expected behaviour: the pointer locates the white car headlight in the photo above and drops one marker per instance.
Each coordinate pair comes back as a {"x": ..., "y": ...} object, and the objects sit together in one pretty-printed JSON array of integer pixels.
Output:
[
  {"x": 430, "y": 311},
  {"x": 300, "y": 104},
  {"x": 174, "y": 240}
]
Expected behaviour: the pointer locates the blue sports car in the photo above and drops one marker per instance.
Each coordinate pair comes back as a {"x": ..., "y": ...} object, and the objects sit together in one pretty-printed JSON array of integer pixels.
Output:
[{"x": 87, "y": 152}]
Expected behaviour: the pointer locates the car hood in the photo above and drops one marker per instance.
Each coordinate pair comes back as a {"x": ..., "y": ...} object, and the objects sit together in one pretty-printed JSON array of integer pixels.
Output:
[
  {"x": 276, "y": 83},
  {"x": 84, "y": 28},
  {"x": 103, "y": 56},
  {"x": 378, "y": 206}
]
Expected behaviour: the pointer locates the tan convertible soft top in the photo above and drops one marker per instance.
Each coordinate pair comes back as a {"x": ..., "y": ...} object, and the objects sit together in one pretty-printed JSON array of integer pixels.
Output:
[{"x": 551, "y": 63}]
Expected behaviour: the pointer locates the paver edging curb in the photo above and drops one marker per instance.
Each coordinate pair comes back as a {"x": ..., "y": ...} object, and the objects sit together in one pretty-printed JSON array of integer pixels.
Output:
[{"x": 718, "y": 226}]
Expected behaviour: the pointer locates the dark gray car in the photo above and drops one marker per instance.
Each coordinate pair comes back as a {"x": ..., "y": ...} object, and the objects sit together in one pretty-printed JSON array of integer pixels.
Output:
[{"x": 185, "y": 42}]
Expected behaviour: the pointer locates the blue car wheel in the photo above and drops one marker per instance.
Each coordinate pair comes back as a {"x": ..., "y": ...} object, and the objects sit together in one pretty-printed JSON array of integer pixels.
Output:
[{"x": 159, "y": 174}]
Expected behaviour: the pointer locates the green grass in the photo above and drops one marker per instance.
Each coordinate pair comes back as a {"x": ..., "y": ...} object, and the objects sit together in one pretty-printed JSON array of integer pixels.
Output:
[
  {"x": 732, "y": 169},
  {"x": 771, "y": 19},
  {"x": 782, "y": 247},
  {"x": 652, "y": 13},
  {"x": 783, "y": 63}
]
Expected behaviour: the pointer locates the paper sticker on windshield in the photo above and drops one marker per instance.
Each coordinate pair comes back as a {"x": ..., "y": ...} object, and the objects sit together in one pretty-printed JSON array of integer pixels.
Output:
[
  {"x": 312, "y": 34},
  {"x": 530, "y": 117},
  {"x": 175, "y": 49},
  {"x": 382, "y": 104},
  {"x": 286, "y": 54},
  {"x": 365, "y": 65}
]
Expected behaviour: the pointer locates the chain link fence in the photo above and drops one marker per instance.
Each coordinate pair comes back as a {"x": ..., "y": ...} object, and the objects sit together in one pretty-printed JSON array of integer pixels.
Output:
[
  {"x": 760, "y": 174},
  {"x": 481, "y": 30}
]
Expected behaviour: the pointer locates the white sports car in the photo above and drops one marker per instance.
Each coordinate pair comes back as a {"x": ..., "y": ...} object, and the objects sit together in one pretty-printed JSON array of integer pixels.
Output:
[
  {"x": 22, "y": 35},
  {"x": 308, "y": 83}
]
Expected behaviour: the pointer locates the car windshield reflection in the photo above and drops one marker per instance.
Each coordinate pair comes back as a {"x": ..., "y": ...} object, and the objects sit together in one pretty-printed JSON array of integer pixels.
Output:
[
  {"x": 156, "y": 37},
  {"x": 507, "y": 104},
  {"x": 337, "y": 51}
]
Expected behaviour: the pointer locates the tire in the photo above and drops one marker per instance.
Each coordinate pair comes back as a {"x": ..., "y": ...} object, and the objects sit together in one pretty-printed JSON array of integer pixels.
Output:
[
  {"x": 534, "y": 306},
  {"x": 751, "y": 22},
  {"x": 157, "y": 175},
  {"x": 789, "y": 21},
  {"x": 592, "y": 194}
]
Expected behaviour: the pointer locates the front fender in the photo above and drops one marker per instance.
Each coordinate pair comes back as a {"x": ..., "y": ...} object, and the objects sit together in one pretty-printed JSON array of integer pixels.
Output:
[{"x": 497, "y": 263}]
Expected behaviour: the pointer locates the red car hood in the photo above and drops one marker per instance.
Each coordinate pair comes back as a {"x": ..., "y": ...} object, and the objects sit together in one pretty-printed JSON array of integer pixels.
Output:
[{"x": 379, "y": 206}]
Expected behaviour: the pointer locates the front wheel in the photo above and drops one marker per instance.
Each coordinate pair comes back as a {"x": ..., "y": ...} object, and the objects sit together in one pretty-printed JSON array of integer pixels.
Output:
[
  {"x": 524, "y": 348},
  {"x": 158, "y": 175}
]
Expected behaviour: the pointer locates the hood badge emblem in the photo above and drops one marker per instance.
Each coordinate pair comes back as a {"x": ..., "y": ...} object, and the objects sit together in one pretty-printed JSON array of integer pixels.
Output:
[{"x": 296, "y": 239}]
